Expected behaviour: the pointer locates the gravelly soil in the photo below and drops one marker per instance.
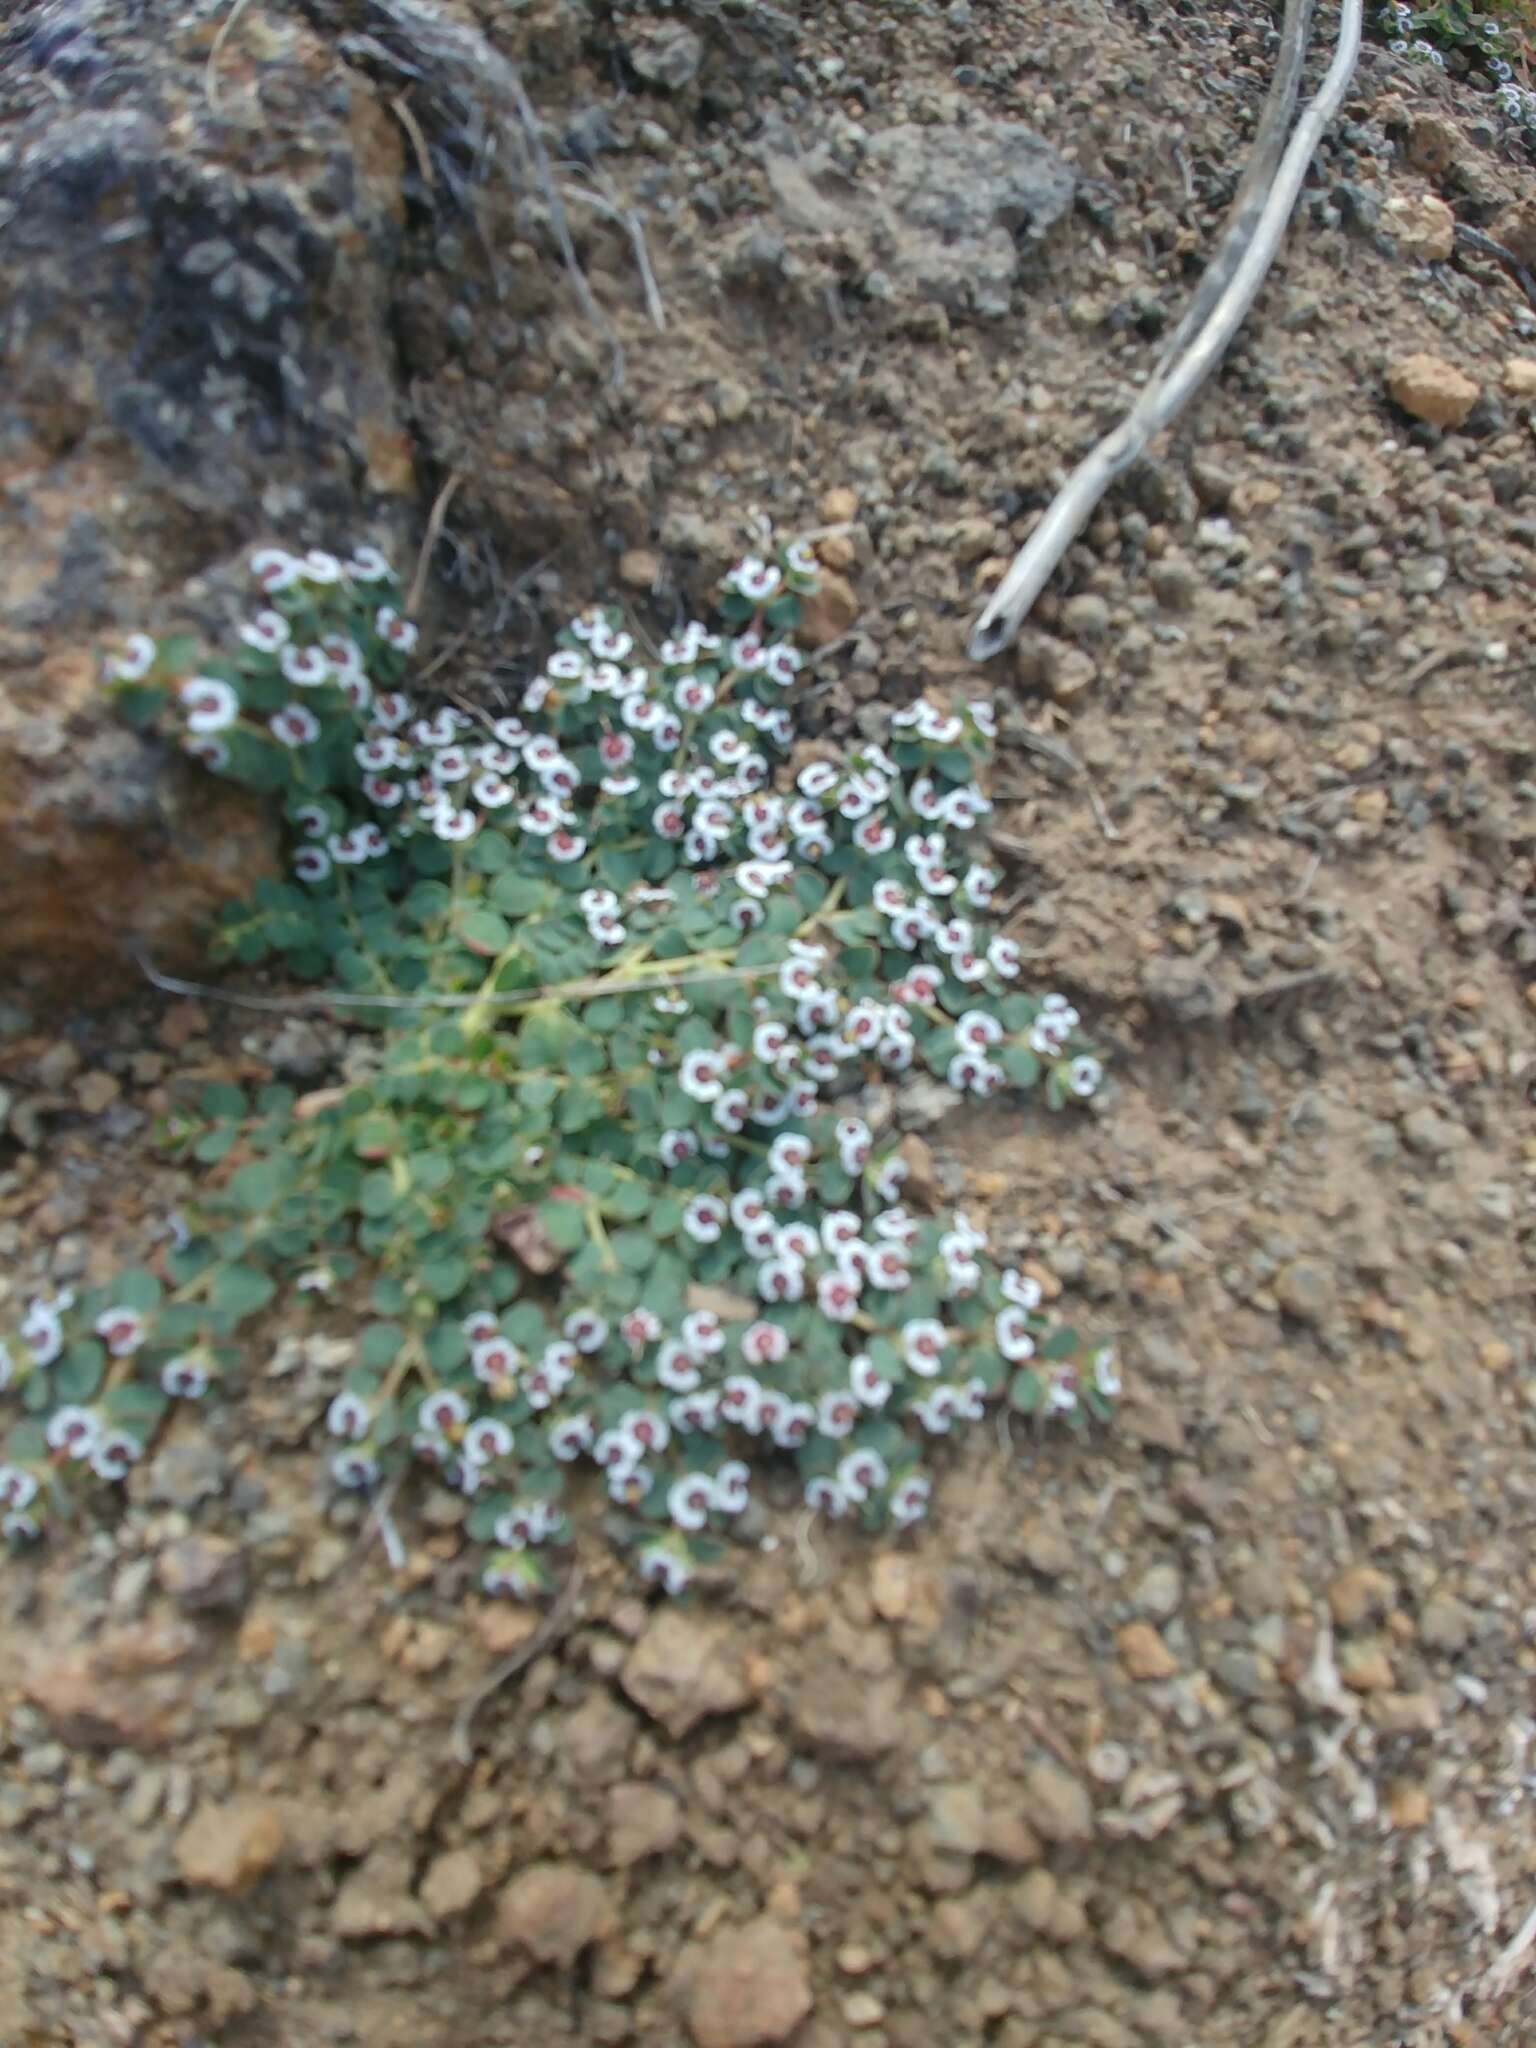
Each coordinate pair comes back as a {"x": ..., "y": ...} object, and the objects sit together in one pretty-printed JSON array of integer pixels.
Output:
[{"x": 1217, "y": 1730}]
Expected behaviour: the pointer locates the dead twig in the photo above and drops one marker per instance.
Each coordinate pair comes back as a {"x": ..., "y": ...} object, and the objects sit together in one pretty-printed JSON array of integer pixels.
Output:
[
  {"x": 429, "y": 540},
  {"x": 550, "y": 1630},
  {"x": 634, "y": 227},
  {"x": 226, "y": 29},
  {"x": 1242, "y": 262},
  {"x": 400, "y": 107}
]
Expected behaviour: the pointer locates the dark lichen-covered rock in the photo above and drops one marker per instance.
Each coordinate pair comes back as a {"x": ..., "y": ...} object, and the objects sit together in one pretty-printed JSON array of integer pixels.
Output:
[{"x": 195, "y": 351}]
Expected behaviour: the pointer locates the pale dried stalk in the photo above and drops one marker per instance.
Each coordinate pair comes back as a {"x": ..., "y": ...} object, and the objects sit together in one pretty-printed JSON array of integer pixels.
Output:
[{"x": 1171, "y": 388}]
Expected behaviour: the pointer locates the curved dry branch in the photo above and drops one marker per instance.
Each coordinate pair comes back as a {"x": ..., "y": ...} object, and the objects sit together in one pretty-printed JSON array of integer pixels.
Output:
[{"x": 1172, "y": 387}]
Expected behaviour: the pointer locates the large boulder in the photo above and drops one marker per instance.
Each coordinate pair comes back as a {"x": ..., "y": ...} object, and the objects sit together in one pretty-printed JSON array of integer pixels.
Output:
[{"x": 197, "y": 353}]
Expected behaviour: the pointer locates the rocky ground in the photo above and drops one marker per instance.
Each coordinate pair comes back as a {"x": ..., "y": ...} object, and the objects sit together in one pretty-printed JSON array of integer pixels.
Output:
[{"x": 1216, "y": 1730}]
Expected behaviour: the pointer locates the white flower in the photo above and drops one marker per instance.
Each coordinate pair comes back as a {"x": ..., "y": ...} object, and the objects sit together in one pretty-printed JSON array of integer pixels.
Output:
[
  {"x": 210, "y": 703},
  {"x": 860, "y": 1472},
  {"x": 1022, "y": 1289},
  {"x": 494, "y": 1359},
  {"x": 690, "y": 1499},
  {"x": 74, "y": 1431},
  {"x": 311, "y": 863},
  {"x": 909, "y": 1501},
  {"x": 781, "y": 1280},
  {"x": 755, "y": 579},
  {"x": 267, "y": 632},
  {"x": 42, "y": 1328},
  {"x": 115, "y": 1455},
  {"x": 18, "y": 1489},
  {"x": 184, "y": 1379},
  {"x": 705, "y": 1218},
  {"x": 1062, "y": 1398},
  {"x": 305, "y": 666},
  {"x": 837, "y": 1296},
  {"x": 487, "y": 1440},
  {"x": 354, "y": 1470},
  {"x": 870, "y": 1387},
  {"x": 836, "y": 1413},
  {"x": 368, "y": 565},
  {"x": 660, "y": 1566},
  {"x": 1084, "y": 1076},
  {"x": 453, "y": 825},
  {"x": 442, "y": 1410},
  {"x": 922, "y": 1344},
  {"x": 826, "y": 1497},
  {"x": 1014, "y": 1339},
  {"x": 701, "y": 1075},
  {"x": 586, "y": 1329},
  {"x": 136, "y": 660},
  {"x": 1106, "y": 1377},
  {"x": 275, "y": 569},
  {"x": 675, "y": 1370},
  {"x": 348, "y": 1417},
  {"x": 294, "y": 725},
  {"x": 400, "y": 633},
  {"x": 570, "y": 1437},
  {"x": 121, "y": 1330}
]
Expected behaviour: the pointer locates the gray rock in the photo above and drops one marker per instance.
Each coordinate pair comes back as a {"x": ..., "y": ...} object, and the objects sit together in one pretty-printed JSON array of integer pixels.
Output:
[
  {"x": 1429, "y": 1134},
  {"x": 941, "y": 211},
  {"x": 666, "y": 54},
  {"x": 1159, "y": 1592}
]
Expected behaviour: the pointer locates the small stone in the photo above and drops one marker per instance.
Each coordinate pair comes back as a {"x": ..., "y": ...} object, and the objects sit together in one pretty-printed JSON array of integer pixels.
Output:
[
  {"x": 1431, "y": 1135},
  {"x": 845, "y": 1715},
  {"x": 1408, "y": 1804},
  {"x": 95, "y": 1092},
  {"x": 1056, "y": 1805},
  {"x": 666, "y": 54},
  {"x": 128, "y": 1689},
  {"x": 1421, "y": 224},
  {"x": 838, "y": 506},
  {"x": 454, "y": 1881},
  {"x": 1008, "y": 1838},
  {"x": 643, "y": 1820},
  {"x": 890, "y": 1585},
  {"x": 230, "y": 1848},
  {"x": 746, "y": 1987},
  {"x": 1144, "y": 1653},
  {"x": 1085, "y": 617},
  {"x": 1431, "y": 389},
  {"x": 1520, "y": 377},
  {"x": 555, "y": 1910},
  {"x": 1072, "y": 673},
  {"x": 203, "y": 1574},
  {"x": 640, "y": 568},
  {"x": 683, "y": 1670},
  {"x": 920, "y": 1189},
  {"x": 1366, "y": 1667},
  {"x": 1034, "y": 1900},
  {"x": 375, "y": 1899},
  {"x": 1305, "y": 1289},
  {"x": 733, "y": 401},
  {"x": 863, "y": 2009},
  {"x": 1360, "y": 1594},
  {"x": 957, "y": 1819},
  {"x": 1174, "y": 583},
  {"x": 1159, "y": 1592},
  {"x": 1446, "y": 1625},
  {"x": 1246, "y": 1674},
  {"x": 957, "y": 1928},
  {"x": 829, "y": 612},
  {"x": 1044, "y": 1548}
]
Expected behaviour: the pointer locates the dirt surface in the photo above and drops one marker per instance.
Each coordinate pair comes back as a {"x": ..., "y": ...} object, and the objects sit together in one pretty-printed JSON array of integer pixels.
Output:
[{"x": 1217, "y": 1730}]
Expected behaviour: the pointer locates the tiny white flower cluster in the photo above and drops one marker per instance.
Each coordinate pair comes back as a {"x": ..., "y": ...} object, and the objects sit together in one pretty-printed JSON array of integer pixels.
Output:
[{"x": 785, "y": 935}]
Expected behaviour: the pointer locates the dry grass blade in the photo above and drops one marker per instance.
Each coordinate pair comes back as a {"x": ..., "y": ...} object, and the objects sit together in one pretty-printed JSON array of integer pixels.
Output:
[{"x": 225, "y": 30}]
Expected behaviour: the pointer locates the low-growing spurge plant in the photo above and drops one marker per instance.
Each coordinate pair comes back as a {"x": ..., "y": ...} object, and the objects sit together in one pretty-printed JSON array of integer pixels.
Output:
[
  {"x": 1472, "y": 39},
  {"x": 611, "y": 1189}
]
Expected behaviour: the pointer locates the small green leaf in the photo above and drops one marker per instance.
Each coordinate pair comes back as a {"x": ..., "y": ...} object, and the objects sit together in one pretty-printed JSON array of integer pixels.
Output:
[
  {"x": 1021, "y": 1066},
  {"x": 1026, "y": 1393},
  {"x": 484, "y": 932},
  {"x": 78, "y": 1373},
  {"x": 256, "y": 1187},
  {"x": 444, "y": 1278},
  {"x": 564, "y": 1224},
  {"x": 239, "y": 1291},
  {"x": 378, "y": 1345}
]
